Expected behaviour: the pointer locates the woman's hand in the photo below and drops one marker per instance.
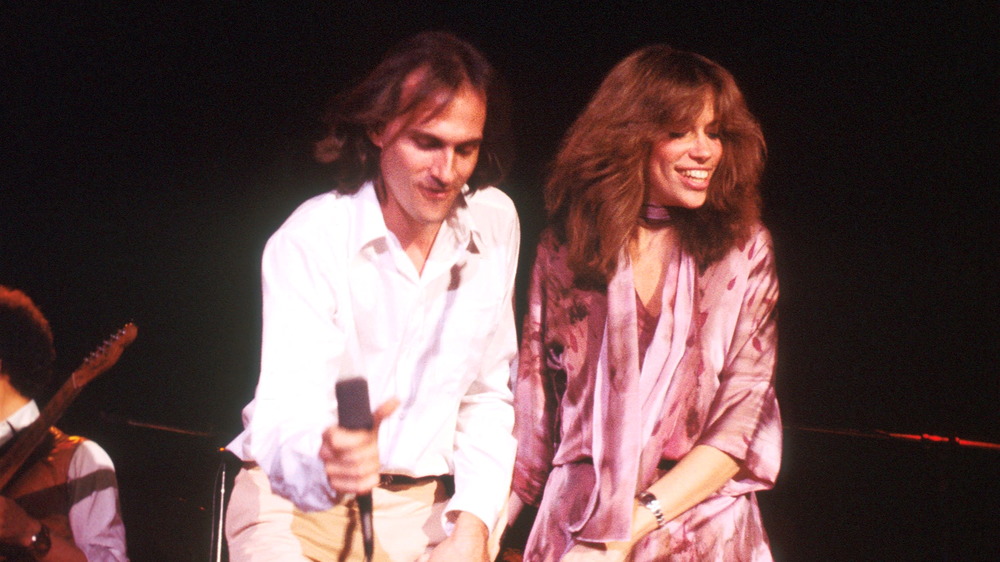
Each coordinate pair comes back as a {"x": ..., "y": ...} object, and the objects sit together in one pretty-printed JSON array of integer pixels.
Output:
[{"x": 598, "y": 552}]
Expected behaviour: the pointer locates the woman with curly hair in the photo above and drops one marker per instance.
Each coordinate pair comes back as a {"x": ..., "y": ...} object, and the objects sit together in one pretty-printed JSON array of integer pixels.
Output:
[{"x": 646, "y": 411}]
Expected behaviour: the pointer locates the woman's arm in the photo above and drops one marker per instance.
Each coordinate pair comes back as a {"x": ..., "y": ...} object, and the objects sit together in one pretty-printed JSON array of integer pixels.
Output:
[
  {"x": 534, "y": 402},
  {"x": 699, "y": 474},
  {"x": 696, "y": 476}
]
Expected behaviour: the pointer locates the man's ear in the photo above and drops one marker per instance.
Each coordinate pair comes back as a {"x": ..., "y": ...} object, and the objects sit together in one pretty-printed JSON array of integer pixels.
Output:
[{"x": 375, "y": 137}]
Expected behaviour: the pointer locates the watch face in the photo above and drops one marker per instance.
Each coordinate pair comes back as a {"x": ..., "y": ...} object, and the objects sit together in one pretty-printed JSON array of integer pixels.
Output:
[{"x": 649, "y": 501}]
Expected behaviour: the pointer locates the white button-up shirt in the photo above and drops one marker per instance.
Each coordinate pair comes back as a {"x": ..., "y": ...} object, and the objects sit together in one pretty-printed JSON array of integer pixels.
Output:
[{"x": 342, "y": 299}]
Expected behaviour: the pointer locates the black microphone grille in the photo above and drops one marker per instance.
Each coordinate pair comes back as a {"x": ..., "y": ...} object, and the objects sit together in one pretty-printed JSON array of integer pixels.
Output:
[{"x": 353, "y": 407}]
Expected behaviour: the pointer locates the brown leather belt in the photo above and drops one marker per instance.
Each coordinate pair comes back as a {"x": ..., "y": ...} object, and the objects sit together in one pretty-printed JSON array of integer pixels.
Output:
[{"x": 403, "y": 481}]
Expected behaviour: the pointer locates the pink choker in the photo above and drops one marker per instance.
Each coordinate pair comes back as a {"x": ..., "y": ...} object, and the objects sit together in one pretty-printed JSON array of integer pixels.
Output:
[{"x": 655, "y": 214}]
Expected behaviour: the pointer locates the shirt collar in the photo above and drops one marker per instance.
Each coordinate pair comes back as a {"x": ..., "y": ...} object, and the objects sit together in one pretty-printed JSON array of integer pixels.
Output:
[
  {"x": 461, "y": 226},
  {"x": 17, "y": 421},
  {"x": 458, "y": 230},
  {"x": 369, "y": 225}
]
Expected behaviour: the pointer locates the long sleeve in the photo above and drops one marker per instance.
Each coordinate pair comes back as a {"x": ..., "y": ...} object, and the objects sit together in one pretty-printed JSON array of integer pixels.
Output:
[
  {"x": 301, "y": 348},
  {"x": 94, "y": 513},
  {"x": 484, "y": 440},
  {"x": 534, "y": 398},
  {"x": 744, "y": 420}
]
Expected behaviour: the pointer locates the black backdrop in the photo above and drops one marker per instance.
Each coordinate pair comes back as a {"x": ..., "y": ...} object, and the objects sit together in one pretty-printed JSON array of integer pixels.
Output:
[{"x": 149, "y": 151}]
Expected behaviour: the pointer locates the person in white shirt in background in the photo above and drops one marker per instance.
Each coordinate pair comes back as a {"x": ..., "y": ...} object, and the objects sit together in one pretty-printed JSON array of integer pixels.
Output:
[
  {"x": 62, "y": 505},
  {"x": 403, "y": 274}
]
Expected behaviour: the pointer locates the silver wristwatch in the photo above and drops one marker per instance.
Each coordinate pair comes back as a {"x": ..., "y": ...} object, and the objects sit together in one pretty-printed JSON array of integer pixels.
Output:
[{"x": 650, "y": 502}]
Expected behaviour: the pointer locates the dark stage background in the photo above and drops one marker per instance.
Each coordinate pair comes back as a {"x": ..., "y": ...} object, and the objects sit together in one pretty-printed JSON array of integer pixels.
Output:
[{"x": 148, "y": 152}]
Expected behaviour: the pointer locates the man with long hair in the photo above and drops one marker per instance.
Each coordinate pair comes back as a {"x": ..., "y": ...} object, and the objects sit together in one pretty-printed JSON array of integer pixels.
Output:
[
  {"x": 403, "y": 275},
  {"x": 62, "y": 504}
]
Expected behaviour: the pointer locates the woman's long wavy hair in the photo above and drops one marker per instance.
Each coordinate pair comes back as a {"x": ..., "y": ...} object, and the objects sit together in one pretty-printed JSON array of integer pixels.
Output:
[
  {"x": 440, "y": 65},
  {"x": 598, "y": 182}
]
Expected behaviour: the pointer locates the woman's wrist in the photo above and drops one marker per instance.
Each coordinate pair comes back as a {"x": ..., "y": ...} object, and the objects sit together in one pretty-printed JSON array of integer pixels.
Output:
[
  {"x": 649, "y": 501},
  {"x": 643, "y": 521}
]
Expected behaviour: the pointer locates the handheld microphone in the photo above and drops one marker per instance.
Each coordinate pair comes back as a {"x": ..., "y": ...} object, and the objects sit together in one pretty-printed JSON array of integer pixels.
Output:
[{"x": 354, "y": 411}]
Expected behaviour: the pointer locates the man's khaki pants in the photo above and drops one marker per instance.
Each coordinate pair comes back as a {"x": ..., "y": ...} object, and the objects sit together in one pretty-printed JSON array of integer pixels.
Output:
[{"x": 263, "y": 527}]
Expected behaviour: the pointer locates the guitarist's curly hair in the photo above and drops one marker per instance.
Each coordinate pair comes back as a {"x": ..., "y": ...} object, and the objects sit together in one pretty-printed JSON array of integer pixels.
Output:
[{"x": 26, "y": 349}]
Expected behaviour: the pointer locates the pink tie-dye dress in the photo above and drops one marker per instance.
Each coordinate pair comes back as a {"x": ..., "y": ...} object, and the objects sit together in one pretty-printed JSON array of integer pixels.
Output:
[{"x": 596, "y": 416}]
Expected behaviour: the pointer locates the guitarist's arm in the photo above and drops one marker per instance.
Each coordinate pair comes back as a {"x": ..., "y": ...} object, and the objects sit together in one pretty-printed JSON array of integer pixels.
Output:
[
  {"x": 94, "y": 516},
  {"x": 18, "y": 528}
]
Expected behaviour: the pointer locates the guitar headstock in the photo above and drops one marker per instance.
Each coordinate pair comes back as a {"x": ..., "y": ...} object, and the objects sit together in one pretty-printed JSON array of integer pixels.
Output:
[{"x": 105, "y": 356}]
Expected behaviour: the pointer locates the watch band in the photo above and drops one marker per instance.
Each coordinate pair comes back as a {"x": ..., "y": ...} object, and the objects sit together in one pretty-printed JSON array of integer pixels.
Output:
[
  {"x": 650, "y": 502},
  {"x": 41, "y": 542}
]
